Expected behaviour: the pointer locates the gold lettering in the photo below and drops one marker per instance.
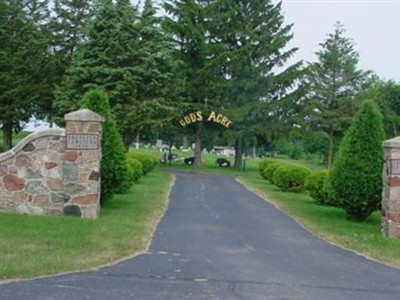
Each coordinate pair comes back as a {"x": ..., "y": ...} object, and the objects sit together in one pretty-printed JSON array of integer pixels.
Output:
[
  {"x": 182, "y": 122},
  {"x": 193, "y": 117},
  {"x": 219, "y": 118},
  {"x": 187, "y": 119},
  {"x": 228, "y": 124},
  {"x": 224, "y": 120},
  {"x": 199, "y": 116},
  {"x": 211, "y": 117}
]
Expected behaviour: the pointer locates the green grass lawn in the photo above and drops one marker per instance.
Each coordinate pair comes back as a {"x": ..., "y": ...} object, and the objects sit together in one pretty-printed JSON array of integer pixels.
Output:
[
  {"x": 16, "y": 138},
  {"x": 41, "y": 245}
]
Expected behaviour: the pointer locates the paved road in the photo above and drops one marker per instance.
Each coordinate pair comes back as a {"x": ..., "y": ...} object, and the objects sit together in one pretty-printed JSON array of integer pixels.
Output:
[{"x": 219, "y": 241}]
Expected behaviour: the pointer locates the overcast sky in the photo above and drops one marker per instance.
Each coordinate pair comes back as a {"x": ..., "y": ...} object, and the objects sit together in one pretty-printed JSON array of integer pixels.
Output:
[{"x": 373, "y": 25}]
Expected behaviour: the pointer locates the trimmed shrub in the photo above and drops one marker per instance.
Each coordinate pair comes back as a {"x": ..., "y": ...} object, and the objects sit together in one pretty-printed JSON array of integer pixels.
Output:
[
  {"x": 114, "y": 169},
  {"x": 290, "y": 177},
  {"x": 356, "y": 176},
  {"x": 314, "y": 184},
  {"x": 269, "y": 171},
  {"x": 263, "y": 164},
  {"x": 135, "y": 169},
  {"x": 148, "y": 161},
  {"x": 327, "y": 192}
]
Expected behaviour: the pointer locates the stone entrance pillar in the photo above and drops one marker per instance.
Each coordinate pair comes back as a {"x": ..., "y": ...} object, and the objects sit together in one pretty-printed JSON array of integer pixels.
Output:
[
  {"x": 391, "y": 189},
  {"x": 81, "y": 169}
]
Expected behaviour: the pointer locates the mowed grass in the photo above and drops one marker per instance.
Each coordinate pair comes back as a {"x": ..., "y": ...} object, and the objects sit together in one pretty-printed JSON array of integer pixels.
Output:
[
  {"x": 42, "y": 245},
  {"x": 16, "y": 138}
]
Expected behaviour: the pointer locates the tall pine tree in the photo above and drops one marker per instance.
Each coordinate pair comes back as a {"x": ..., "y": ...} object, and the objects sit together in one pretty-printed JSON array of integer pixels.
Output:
[
  {"x": 249, "y": 40},
  {"x": 333, "y": 82},
  {"x": 23, "y": 57},
  {"x": 187, "y": 23}
]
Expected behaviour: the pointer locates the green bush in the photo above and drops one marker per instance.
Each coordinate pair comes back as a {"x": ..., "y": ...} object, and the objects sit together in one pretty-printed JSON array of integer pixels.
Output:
[
  {"x": 114, "y": 169},
  {"x": 263, "y": 164},
  {"x": 268, "y": 172},
  {"x": 290, "y": 177},
  {"x": 356, "y": 176},
  {"x": 327, "y": 193},
  {"x": 148, "y": 161},
  {"x": 314, "y": 184},
  {"x": 297, "y": 152},
  {"x": 135, "y": 169}
]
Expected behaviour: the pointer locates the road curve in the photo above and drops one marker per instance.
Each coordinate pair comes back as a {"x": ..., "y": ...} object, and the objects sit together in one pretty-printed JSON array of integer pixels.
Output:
[{"x": 220, "y": 241}]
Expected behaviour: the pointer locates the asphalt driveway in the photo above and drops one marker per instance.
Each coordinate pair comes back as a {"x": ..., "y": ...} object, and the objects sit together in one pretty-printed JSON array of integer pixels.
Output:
[{"x": 220, "y": 241}]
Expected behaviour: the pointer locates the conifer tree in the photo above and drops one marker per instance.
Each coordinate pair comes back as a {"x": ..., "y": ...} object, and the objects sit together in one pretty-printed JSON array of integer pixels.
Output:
[
  {"x": 356, "y": 177},
  {"x": 249, "y": 39},
  {"x": 126, "y": 55},
  {"x": 23, "y": 56},
  {"x": 187, "y": 24},
  {"x": 333, "y": 82},
  {"x": 113, "y": 166}
]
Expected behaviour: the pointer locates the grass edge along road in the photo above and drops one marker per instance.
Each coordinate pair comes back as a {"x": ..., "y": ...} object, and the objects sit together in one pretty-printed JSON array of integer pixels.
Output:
[
  {"x": 34, "y": 246},
  {"x": 329, "y": 223}
]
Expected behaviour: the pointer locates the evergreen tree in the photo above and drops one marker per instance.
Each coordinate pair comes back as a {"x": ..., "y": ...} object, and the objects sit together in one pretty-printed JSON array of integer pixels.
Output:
[
  {"x": 157, "y": 88},
  {"x": 249, "y": 39},
  {"x": 333, "y": 82},
  {"x": 127, "y": 55},
  {"x": 113, "y": 166},
  {"x": 68, "y": 31},
  {"x": 387, "y": 95},
  {"x": 105, "y": 59},
  {"x": 356, "y": 176},
  {"x": 187, "y": 24},
  {"x": 23, "y": 57}
]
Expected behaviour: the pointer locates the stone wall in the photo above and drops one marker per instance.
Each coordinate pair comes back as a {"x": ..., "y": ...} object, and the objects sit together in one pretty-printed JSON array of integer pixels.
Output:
[
  {"x": 55, "y": 171},
  {"x": 391, "y": 189}
]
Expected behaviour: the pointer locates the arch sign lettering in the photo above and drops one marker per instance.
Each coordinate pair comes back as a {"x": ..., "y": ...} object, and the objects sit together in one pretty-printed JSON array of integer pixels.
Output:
[{"x": 197, "y": 116}]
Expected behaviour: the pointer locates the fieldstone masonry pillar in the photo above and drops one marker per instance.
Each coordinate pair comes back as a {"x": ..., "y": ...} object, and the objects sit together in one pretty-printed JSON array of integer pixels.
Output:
[
  {"x": 81, "y": 169},
  {"x": 391, "y": 188}
]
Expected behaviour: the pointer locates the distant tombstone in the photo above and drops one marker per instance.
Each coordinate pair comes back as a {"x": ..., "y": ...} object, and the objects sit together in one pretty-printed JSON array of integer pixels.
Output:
[{"x": 159, "y": 143}]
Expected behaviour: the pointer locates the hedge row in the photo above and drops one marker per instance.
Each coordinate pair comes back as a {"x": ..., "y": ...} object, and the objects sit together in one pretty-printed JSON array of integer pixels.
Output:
[
  {"x": 140, "y": 164},
  {"x": 288, "y": 177},
  {"x": 294, "y": 178}
]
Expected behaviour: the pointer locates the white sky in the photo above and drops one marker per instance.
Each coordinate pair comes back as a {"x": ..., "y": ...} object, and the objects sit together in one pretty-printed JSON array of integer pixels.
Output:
[{"x": 373, "y": 25}]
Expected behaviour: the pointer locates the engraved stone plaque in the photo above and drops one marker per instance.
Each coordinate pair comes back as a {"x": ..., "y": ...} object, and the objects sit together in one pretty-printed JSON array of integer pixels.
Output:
[
  {"x": 82, "y": 141},
  {"x": 395, "y": 167}
]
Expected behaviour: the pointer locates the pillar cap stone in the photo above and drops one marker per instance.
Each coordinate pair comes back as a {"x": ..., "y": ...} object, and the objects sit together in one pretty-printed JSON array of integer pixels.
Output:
[
  {"x": 392, "y": 143},
  {"x": 85, "y": 115}
]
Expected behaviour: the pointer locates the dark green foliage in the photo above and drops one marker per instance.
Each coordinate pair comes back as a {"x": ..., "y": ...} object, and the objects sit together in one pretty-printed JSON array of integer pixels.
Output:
[
  {"x": 269, "y": 171},
  {"x": 135, "y": 169},
  {"x": 114, "y": 173},
  {"x": 356, "y": 176},
  {"x": 327, "y": 192},
  {"x": 130, "y": 57},
  {"x": 314, "y": 184},
  {"x": 387, "y": 96},
  {"x": 148, "y": 161},
  {"x": 263, "y": 164},
  {"x": 290, "y": 178},
  {"x": 23, "y": 61}
]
